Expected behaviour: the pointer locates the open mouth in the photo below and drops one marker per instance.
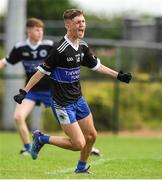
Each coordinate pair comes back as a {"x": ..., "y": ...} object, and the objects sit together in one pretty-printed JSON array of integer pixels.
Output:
[{"x": 81, "y": 30}]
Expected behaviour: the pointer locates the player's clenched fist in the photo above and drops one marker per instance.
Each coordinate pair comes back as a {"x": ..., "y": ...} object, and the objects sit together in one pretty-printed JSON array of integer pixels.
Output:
[
  {"x": 19, "y": 97},
  {"x": 124, "y": 77}
]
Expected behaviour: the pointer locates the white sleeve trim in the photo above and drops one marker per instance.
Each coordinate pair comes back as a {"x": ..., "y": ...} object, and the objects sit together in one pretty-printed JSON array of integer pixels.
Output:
[
  {"x": 97, "y": 66},
  {"x": 5, "y": 61},
  {"x": 43, "y": 71}
]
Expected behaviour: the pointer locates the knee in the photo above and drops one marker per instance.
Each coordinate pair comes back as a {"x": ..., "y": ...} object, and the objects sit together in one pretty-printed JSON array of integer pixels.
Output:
[
  {"x": 91, "y": 137},
  {"x": 18, "y": 118},
  {"x": 79, "y": 145}
]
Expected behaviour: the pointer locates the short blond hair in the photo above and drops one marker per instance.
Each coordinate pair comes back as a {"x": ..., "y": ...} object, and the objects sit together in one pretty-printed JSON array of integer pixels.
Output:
[
  {"x": 32, "y": 22},
  {"x": 72, "y": 13}
]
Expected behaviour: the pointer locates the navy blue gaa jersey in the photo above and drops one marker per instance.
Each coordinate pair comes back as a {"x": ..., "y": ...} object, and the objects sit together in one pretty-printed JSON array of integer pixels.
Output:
[
  {"x": 31, "y": 57},
  {"x": 63, "y": 67}
]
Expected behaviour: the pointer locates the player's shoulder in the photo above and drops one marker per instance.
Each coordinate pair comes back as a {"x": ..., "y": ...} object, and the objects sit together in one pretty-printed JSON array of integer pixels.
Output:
[
  {"x": 20, "y": 44},
  {"x": 47, "y": 42},
  {"x": 61, "y": 45},
  {"x": 83, "y": 43}
]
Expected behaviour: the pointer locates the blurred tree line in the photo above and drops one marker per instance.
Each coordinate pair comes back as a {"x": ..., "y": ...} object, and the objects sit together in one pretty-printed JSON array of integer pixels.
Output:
[
  {"x": 48, "y": 9},
  {"x": 51, "y": 12}
]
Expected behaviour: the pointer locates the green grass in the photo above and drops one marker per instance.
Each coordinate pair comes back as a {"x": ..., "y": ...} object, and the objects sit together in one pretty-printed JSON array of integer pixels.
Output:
[{"x": 123, "y": 157}]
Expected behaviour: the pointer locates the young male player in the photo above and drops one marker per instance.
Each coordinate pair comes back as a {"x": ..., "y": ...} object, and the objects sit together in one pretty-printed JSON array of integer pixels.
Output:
[
  {"x": 68, "y": 105},
  {"x": 31, "y": 53}
]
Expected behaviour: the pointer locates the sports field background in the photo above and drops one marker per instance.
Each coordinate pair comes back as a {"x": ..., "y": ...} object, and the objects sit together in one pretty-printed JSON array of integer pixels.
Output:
[{"x": 124, "y": 156}]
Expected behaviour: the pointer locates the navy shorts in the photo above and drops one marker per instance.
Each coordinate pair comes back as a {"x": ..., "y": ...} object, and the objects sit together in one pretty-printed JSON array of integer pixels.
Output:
[
  {"x": 40, "y": 97},
  {"x": 70, "y": 113}
]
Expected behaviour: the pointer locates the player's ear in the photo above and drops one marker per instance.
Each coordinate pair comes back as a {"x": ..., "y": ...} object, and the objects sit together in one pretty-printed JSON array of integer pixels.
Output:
[
  {"x": 27, "y": 31},
  {"x": 67, "y": 23}
]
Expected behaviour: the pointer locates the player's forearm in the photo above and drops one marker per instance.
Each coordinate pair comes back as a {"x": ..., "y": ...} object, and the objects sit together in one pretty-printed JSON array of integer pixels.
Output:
[
  {"x": 34, "y": 80},
  {"x": 107, "y": 71}
]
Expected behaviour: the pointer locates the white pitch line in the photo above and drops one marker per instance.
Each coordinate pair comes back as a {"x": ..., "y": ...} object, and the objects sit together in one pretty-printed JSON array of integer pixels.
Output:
[
  {"x": 94, "y": 163},
  {"x": 99, "y": 162}
]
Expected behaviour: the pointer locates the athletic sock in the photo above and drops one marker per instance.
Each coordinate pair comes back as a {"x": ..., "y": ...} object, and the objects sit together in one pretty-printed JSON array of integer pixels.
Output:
[
  {"x": 27, "y": 146},
  {"x": 44, "y": 139},
  {"x": 81, "y": 165}
]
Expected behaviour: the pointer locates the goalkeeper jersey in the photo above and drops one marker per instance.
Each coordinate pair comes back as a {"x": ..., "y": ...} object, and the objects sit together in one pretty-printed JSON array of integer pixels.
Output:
[
  {"x": 31, "y": 57},
  {"x": 63, "y": 67}
]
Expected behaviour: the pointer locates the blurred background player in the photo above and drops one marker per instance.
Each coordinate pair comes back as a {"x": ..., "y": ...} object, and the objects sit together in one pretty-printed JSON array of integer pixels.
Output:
[{"x": 31, "y": 53}]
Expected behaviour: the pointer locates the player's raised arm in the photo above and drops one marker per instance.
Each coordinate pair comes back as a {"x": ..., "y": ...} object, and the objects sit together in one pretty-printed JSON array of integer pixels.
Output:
[
  {"x": 124, "y": 77},
  {"x": 34, "y": 80}
]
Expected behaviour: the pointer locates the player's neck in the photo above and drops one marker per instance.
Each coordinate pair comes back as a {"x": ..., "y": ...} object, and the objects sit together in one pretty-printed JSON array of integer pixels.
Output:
[
  {"x": 73, "y": 40},
  {"x": 33, "y": 42}
]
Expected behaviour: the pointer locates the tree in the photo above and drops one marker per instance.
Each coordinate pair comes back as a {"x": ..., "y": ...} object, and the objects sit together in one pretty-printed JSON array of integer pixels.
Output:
[{"x": 48, "y": 9}]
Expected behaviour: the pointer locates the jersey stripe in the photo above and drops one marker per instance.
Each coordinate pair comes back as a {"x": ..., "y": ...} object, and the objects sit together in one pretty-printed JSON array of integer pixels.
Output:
[
  {"x": 83, "y": 43},
  {"x": 64, "y": 48},
  {"x": 43, "y": 71},
  {"x": 62, "y": 45}
]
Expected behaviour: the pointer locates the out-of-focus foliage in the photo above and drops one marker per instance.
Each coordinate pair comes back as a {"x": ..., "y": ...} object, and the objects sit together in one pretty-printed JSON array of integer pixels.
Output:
[
  {"x": 47, "y": 9},
  {"x": 102, "y": 27},
  {"x": 98, "y": 27},
  {"x": 139, "y": 104},
  {"x": 1, "y": 90}
]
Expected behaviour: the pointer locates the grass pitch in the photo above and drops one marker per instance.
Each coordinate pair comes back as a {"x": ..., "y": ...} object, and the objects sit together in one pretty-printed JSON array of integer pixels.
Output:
[{"x": 123, "y": 157}]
